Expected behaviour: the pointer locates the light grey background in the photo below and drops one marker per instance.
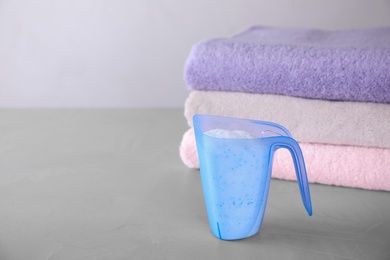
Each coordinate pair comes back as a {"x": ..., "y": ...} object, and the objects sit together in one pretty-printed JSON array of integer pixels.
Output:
[{"x": 130, "y": 53}]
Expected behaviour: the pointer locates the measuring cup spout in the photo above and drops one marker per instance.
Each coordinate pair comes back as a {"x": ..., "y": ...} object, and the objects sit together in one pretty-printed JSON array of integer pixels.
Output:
[{"x": 299, "y": 163}]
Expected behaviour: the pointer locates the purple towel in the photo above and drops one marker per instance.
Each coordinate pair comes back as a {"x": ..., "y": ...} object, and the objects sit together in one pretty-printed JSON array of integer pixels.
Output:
[{"x": 352, "y": 65}]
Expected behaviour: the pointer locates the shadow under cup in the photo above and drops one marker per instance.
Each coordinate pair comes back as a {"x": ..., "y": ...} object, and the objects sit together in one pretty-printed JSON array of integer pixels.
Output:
[{"x": 236, "y": 172}]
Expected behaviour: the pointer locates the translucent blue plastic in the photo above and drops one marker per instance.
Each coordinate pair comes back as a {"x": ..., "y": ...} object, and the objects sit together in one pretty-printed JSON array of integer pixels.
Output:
[{"x": 236, "y": 173}]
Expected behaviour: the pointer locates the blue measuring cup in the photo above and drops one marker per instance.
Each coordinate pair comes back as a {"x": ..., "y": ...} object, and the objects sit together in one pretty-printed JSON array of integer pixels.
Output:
[{"x": 235, "y": 159}]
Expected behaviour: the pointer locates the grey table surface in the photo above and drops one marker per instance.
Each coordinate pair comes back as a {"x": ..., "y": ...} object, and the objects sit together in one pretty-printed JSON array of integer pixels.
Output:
[{"x": 109, "y": 184}]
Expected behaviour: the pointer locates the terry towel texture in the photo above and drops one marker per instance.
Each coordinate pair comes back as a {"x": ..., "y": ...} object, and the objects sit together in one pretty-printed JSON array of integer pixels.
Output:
[
  {"x": 308, "y": 120},
  {"x": 349, "y": 65},
  {"x": 350, "y": 166},
  {"x": 330, "y": 89}
]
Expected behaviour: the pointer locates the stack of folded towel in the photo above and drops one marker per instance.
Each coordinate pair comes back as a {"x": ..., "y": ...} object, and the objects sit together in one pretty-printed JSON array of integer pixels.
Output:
[{"x": 331, "y": 90}]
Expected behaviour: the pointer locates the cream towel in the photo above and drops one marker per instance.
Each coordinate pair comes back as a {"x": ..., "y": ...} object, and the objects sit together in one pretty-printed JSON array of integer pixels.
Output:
[{"x": 308, "y": 120}]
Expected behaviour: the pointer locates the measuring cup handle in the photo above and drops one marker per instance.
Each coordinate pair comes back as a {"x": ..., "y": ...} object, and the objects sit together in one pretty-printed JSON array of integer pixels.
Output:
[{"x": 300, "y": 168}]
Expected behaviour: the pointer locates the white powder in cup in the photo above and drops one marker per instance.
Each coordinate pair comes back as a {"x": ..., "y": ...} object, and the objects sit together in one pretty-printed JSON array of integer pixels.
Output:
[{"x": 233, "y": 134}]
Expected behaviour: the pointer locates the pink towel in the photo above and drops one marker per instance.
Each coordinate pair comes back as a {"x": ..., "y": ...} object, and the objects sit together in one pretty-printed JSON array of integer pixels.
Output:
[{"x": 350, "y": 166}]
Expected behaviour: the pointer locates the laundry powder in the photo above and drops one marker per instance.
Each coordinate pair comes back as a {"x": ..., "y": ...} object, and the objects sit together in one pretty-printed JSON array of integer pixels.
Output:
[
  {"x": 222, "y": 133},
  {"x": 235, "y": 179}
]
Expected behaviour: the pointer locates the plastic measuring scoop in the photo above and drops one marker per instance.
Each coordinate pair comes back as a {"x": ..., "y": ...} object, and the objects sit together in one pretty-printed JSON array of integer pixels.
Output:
[{"x": 235, "y": 158}]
